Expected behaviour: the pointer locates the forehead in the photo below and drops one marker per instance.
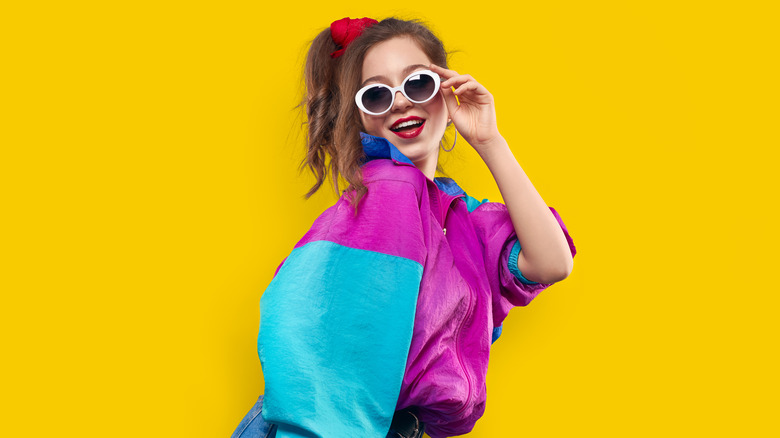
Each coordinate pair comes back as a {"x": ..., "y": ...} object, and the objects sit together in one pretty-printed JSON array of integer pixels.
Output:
[{"x": 390, "y": 58}]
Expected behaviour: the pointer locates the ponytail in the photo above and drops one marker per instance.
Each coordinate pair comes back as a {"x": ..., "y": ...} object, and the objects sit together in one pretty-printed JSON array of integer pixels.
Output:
[{"x": 321, "y": 103}]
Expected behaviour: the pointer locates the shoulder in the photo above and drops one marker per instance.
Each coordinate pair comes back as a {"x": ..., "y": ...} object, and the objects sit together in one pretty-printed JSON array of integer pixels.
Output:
[{"x": 473, "y": 203}]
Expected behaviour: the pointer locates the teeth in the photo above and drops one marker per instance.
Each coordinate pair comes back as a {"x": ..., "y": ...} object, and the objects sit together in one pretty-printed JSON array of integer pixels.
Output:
[{"x": 407, "y": 124}]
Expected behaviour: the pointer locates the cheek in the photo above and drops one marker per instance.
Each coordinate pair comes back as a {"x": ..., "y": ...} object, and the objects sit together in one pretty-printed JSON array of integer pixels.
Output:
[
  {"x": 439, "y": 110},
  {"x": 371, "y": 125}
]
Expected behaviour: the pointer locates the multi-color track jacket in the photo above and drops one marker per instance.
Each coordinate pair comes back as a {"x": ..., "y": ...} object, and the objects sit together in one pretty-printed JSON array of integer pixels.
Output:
[{"x": 393, "y": 308}]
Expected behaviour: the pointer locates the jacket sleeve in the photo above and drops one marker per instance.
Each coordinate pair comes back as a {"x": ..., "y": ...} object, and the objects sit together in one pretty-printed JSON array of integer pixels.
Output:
[
  {"x": 509, "y": 288},
  {"x": 336, "y": 320}
]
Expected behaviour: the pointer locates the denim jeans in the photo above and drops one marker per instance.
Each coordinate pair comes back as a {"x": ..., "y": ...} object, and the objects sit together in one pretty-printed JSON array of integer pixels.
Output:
[{"x": 253, "y": 425}]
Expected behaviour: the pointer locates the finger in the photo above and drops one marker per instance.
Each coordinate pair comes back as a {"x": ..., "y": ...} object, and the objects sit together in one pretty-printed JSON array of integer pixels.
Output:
[
  {"x": 450, "y": 100},
  {"x": 473, "y": 92},
  {"x": 465, "y": 87},
  {"x": 457, "y": 80},
  {"x": 443, "y": 71},
  {"x": 477, "y": 88}
]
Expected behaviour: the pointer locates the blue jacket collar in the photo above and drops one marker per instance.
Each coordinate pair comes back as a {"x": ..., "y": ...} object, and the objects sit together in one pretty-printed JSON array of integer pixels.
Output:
[
  {"x": 379, "y": 147},
  {"x": 448, "y": 186}
]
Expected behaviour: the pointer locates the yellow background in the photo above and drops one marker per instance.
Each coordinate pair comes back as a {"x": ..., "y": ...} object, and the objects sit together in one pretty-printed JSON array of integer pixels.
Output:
[{"x": 149, "y": 190}]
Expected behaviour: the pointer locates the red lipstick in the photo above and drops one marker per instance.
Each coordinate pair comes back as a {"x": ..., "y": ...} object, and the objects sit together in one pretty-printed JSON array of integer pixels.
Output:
[{"x": 410, "y": 127}]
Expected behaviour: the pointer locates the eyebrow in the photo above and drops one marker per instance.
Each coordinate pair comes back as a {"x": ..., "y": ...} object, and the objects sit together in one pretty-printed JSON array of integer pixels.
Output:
[{"x": 405, "y": 72}]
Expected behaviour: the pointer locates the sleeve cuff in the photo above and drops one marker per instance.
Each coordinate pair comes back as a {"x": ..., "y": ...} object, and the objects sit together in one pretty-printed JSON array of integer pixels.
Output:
[{"x": 512, "y": 262}]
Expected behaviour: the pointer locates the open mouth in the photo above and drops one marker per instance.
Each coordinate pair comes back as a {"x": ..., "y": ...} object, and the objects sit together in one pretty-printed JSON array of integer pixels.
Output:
[{"x": 407, "y": 124}]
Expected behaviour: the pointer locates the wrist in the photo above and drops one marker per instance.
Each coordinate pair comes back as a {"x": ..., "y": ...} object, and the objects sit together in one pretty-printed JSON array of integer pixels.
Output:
[{"x": 495, "y": 148}]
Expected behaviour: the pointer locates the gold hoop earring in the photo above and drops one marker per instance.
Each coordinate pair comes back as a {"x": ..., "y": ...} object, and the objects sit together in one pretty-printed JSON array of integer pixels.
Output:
[{"x": 453, "y": 143}]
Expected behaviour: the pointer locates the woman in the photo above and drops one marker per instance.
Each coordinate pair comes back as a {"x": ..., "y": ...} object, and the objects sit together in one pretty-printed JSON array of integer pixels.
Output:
[{"x": 380, "y": 321}]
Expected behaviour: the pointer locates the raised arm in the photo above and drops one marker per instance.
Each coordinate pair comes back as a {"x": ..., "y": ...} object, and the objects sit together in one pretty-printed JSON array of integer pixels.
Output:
[{"x": 545, "y": 256}]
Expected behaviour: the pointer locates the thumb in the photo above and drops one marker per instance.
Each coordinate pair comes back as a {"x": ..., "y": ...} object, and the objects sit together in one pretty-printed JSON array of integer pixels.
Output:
[{"x": 450, "y": 100}]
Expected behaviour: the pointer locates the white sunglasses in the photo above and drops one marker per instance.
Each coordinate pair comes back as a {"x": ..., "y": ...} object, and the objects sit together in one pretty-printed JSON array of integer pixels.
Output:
[{"x": 418, "y": 87}]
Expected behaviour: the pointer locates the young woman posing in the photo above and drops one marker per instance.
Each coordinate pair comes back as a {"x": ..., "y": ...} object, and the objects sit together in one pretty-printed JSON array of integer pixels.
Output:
[{"x": 380, "y": 321}]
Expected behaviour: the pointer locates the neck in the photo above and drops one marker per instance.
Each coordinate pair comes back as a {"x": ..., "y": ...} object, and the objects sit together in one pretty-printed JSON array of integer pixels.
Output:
[{"x": 428, "y": 166}]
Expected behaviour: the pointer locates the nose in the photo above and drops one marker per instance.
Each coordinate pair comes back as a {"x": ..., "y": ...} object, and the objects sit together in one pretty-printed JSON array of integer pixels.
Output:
[{"x": 401, "y": 102}]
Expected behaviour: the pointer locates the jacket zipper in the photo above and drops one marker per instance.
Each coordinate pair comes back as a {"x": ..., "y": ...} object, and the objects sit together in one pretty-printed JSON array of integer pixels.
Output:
[
  {"x": 443, "y": 214},
  {"x": 460, "y": 359},
  {"x": 444, "y": 211}
]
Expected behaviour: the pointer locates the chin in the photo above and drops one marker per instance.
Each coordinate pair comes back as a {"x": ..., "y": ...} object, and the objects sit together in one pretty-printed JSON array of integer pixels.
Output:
[{"x": 419, "y": 154}]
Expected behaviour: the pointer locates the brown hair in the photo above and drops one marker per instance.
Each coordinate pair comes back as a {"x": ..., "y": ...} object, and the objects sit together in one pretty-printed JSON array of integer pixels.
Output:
[{"x": 334, "y": 125}]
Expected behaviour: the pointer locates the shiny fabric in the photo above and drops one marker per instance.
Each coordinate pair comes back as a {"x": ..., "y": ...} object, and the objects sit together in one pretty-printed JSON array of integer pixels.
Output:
[{"x": 392, "y": 309}]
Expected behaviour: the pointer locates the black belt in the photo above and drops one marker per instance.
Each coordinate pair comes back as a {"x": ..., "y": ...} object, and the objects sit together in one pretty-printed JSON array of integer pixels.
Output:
[{"x": 406, "y": 425}]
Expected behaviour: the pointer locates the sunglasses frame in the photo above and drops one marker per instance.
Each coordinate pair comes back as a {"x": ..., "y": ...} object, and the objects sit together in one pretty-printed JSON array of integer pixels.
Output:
[{"x": 395, "y": 90}]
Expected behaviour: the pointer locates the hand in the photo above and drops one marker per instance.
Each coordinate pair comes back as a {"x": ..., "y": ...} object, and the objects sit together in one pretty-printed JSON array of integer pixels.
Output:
[{"x": 475, "y": 117}]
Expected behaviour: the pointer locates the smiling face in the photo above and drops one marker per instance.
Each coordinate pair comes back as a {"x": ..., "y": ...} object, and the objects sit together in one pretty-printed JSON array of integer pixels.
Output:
[{"x": 415, "y": 129}]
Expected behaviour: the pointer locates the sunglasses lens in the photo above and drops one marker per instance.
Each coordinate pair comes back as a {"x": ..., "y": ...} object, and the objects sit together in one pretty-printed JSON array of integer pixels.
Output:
[
  {"x": 420, "y": 87},
  {"x": 377, "y": 99}
]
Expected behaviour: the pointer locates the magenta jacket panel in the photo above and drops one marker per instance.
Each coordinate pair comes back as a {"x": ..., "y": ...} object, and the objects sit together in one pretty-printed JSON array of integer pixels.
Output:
[{"x": 467, "y": 290}]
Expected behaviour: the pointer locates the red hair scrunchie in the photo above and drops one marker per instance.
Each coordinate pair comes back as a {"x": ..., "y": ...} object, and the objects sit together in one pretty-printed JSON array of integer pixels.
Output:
[{"x": 344, "y": 31}]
